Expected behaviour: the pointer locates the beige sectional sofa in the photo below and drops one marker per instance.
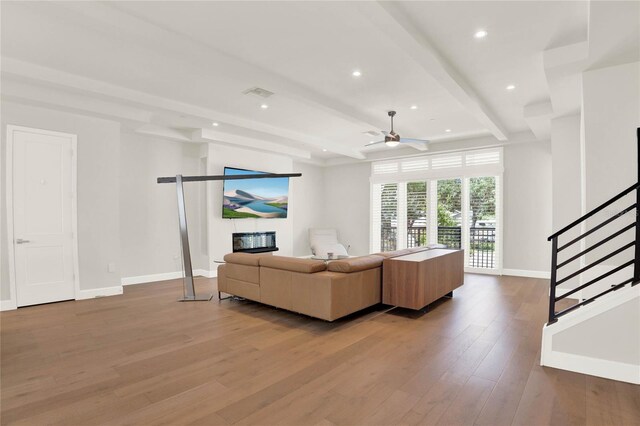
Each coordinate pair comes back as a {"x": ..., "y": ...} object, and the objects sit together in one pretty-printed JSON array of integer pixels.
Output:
[{"x": 325, "y": 290}]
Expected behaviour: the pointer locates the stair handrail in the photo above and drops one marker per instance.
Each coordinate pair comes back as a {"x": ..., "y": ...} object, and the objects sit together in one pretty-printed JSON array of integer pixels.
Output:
[
  {"x": 634, "y": 280},
  {"x": 595, "y": 210}
]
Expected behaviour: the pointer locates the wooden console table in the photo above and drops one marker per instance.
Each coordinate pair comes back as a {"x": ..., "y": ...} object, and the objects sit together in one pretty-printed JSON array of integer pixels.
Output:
[{"x": 415, "y": 280}]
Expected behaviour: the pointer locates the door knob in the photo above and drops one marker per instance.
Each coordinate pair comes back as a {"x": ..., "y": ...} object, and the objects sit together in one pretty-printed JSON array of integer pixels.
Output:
[{"x": 21, "y": 241}]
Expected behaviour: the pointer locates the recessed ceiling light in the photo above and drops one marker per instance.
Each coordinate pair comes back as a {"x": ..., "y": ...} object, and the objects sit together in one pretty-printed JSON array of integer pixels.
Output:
[
  {"x": 264, "y": 106},
  {"x": 324, "y": 149},
  {"x": 214, "y": 124},
  {"x": 480, "y": 34},
  {"x": 510, "y": 87},
  {"x": 414, "y": 106},
  {"x": 448, "y": 130},
  {"x": 356, "y": 73}
]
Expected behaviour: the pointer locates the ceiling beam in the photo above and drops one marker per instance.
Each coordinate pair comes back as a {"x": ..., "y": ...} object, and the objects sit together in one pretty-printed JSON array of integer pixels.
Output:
[
  {"x": 44, "y": 76},
  {"x": 398, "y": 27},
  {"x": 107, "y": 14},
  {"x": 18, "y": 90},
  {"x": 210, "y": 135}
]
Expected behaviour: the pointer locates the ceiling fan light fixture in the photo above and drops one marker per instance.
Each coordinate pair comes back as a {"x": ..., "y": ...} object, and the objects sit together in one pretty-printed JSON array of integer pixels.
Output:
[{"x": 392, "y": 144}]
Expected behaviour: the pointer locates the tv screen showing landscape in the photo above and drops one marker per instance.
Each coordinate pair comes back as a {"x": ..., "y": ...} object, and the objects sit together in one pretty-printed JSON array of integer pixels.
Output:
[{"x": 257, "y": 198}]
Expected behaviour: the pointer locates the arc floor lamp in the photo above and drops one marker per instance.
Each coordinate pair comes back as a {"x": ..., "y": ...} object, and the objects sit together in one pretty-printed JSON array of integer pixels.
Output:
[{"x": 189, "y": 288}]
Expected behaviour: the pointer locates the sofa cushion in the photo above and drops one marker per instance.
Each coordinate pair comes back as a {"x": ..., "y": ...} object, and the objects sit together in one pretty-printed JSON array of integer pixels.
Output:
[
  {"x": 307, "y": 266},
  {"x": 245, "y": 258},
  {"x": 241, "y": 272},
  {"x": 355, "y": 264}
]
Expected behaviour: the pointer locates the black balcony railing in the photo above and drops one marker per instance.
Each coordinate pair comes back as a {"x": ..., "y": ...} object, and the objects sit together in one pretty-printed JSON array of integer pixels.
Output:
[
  {"x": 482, "y": 242},
  {"x": 450, "y": 236},
  {"x": 388, "y": 238},
  {"x": 482, "y": 247},
  {"x": 416, "y": 236}
]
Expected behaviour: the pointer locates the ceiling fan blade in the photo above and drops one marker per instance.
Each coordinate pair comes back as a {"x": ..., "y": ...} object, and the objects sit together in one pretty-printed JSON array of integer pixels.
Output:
[
  {"x": 410, "y": 140},
  {"x": 384, "y": 132},
  {"x": 374, "y": 143}
]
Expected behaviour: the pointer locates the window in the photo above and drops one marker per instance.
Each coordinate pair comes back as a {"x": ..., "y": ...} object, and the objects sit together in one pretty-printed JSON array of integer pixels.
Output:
[
  {"x": 451, "y": 199},
  {"x": 449, "y": 212},
  {"x": 416, "y": 214},
  {"x": 388, "y": 217}
]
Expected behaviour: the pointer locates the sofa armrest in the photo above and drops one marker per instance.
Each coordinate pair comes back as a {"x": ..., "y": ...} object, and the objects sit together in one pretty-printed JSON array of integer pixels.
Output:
[{"x": 222, "y": 278}]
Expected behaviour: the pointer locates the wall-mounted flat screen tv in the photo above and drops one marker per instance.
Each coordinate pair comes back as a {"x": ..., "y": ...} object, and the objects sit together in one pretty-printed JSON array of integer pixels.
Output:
[{"x": 254, "y": 198}]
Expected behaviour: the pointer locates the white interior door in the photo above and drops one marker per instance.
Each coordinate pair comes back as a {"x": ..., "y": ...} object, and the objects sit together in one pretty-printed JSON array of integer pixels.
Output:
[{"x": 42, "y": 216}]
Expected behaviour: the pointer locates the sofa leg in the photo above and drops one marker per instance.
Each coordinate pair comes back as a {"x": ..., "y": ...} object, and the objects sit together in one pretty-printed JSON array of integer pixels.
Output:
[{"x": 220, "y": 298}]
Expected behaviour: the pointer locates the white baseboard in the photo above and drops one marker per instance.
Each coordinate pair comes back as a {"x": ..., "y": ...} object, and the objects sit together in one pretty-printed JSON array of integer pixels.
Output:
[
  {"x": 99, "y": 292},
  {"x": 483, "y": 271},
  {"x": 525, "y": 273},
  {"x": 205, "y": 273},
  {"x": 613, "y": 370},
  {"x": 8, "y": 305},
  {"x": 151, "y": 278},
  {"x": 165, "y": 276}
]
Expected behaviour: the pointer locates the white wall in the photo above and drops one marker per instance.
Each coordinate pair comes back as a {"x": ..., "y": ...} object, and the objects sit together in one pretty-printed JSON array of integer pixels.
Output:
[
  {"x": 347, "y": 197},
  {"x": 615, "y": 342},
  {"x": 527, "y": 206},
  {"x": 98, "y": 190},
  {"x": 611, "y": 116},
  {"x": 149, "y": 233},
  {"x": 309, "y": 208},
  {"x": 566, "y": 170},
  {"x": 220, "y": 230}
]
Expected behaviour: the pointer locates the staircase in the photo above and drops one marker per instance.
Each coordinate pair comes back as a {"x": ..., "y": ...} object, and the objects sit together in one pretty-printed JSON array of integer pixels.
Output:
[{"x": 594, "y": 299}]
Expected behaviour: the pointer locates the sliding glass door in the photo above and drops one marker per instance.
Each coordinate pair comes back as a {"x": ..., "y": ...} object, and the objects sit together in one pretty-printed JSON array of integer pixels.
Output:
[
  {"x": 389, "y": 217},
  {"x": 482, "y": 222},
  {"x": 416, "y": 209},
  {"x": 450, "y": 199},
  {"x": 449, "y": 212}
]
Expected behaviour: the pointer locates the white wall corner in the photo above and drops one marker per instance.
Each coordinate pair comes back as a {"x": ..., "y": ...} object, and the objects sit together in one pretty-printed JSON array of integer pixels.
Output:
[
  {"x": 526, "y": 273},
  {"x": 7, "y": 305},
  {"x": 99, "y": 292}
]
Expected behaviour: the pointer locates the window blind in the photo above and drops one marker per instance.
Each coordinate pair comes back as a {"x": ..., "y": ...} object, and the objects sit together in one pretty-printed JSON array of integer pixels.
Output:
[
  {"x": 385, "y": 217},
  {"x": 485, "y": 162}
]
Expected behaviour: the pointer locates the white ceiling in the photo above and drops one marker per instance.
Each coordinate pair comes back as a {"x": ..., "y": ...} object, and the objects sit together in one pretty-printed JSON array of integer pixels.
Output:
[{"x": 174, "y": 67}]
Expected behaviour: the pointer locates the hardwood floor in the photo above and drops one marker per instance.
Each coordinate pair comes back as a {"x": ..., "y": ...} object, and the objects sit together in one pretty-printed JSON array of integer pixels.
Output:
[{"x": 143, "y": 358}]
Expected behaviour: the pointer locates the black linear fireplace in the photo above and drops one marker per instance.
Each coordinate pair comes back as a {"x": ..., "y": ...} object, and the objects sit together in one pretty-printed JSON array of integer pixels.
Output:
[{"x": 254, "y": 242}]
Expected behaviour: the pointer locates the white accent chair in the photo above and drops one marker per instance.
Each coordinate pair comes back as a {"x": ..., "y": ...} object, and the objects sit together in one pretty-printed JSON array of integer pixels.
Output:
[{"x": 323, "y": 241}]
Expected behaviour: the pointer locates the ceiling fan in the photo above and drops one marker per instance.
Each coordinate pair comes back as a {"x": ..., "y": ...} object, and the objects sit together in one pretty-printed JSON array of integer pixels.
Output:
[{"x": 392, "y": 139}]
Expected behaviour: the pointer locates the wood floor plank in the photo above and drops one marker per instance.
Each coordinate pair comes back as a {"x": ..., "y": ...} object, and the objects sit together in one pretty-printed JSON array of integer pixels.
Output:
[{"x": 143, "y": 358}]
